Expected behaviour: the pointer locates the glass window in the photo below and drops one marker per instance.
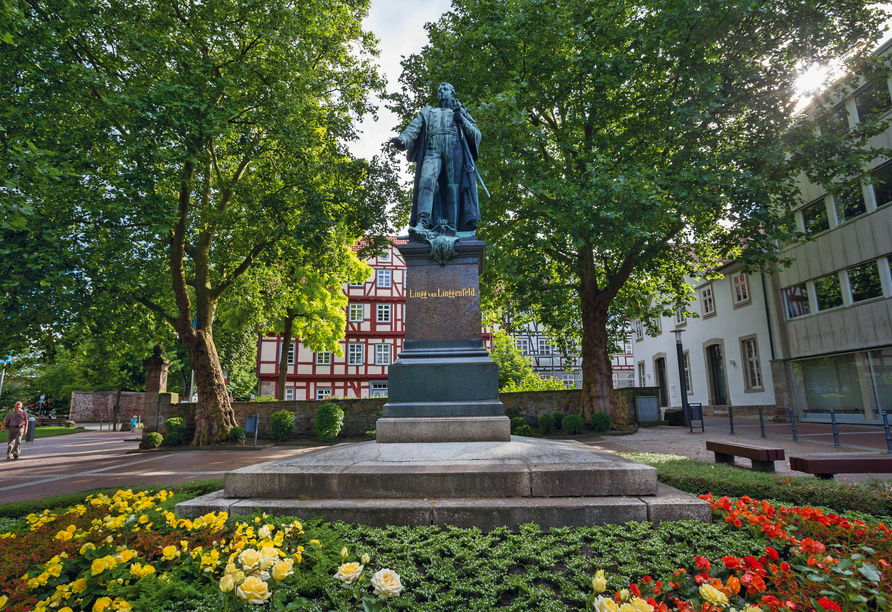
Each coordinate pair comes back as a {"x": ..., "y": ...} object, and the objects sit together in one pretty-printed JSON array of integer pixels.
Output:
[
  {"x": 849, "y": 202},
  {"x": 641, "y": 381},
  {"x": 385, "y": 255},
  {"x": 796, "y": 298},
  {"x": 740, "y": 291},
  {"x": 814, "y": 217},
  {"x": 354, "y": 354},
  {"x": 292, "y": 350},
  {"x": 383, "y": 313},
  {"x": 639, "y": 329},
  {"x": 523, "y": 344},
  {"x": 570, "y": 381},
  {"x": 881, "y": 371},
  {"x": 544, "y": 347},
  {"x": 838, "y": 381},
  {"x": 378, "y": 389},
  {"x": 828, "y": 292},
  {"x": 872, "y": 100},
  {"x": 658, "y": 325},
  {"x": 706, "y": 299},
  {"x": 384, "y": 278},
  {"x": 680, "y": 318},
  {"x": 686, "y": 360},
  {"x": 323, "y": 394},
  {"x": 357, "y": 312},
  {"x": 789, "y": 229},
  {"x": 882, "y": 187},
  {"x": 382, "y": 354},
  {"x": 753, "y": 370},
  {"x": 323, "y": 358},
  {"x": 289, "y": 395},
  {"x": 865, "y": 281},
  {"x": 627, "y": 347}
]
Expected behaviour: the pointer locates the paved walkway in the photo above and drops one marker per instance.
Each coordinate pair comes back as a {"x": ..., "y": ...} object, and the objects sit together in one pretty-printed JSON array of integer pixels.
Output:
[{"x": 94, "y": 459}]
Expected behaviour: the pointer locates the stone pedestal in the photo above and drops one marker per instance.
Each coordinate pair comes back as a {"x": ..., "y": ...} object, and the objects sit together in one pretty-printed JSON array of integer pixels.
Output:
[
  {"x": 156, "y": 386},
  {"x": 443, "y": 387}
]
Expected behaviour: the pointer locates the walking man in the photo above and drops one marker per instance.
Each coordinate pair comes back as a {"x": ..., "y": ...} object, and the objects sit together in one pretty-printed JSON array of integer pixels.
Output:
[{"x": 16, "y": 422}]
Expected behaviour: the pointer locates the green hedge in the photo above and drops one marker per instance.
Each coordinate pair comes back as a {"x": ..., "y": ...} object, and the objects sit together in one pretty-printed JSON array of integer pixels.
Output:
[
  {"x": 699, "y": 477},
  {"x": 329, "y": 422}
]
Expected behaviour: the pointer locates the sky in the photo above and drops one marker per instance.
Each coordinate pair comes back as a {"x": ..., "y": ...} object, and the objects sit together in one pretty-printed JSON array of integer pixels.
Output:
[{"x": 399, "y": 25}]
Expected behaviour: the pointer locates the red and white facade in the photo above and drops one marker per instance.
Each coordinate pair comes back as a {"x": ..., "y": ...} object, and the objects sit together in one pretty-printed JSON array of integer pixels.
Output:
[{"x": 373, "y": 339}]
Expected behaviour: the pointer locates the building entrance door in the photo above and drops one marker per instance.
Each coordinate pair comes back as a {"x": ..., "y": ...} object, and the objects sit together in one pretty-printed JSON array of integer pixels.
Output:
[
  {"x": 717, "y": 374},
  {"x": 661, "y": 380}
]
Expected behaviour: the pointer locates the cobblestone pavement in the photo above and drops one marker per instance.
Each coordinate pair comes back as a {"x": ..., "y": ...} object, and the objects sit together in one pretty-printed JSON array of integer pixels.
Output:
[{"x": 94, "y": 459}]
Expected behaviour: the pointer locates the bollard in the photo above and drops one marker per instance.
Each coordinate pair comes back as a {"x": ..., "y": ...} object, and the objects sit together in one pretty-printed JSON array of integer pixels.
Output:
[
  {"x": 761, "y": 422},
  {"x": 888, "y": 437},
  {"x": 731, "y": 418},
  {"x": 793, "y": 424},
  {"x": 29, "y": 433},
  {"x": 835, "y": 432}
]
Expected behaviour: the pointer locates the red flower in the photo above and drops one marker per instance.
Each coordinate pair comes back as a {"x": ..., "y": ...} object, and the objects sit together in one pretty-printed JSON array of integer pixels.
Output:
[
  {"x": 772, "y": 553},
  {"x": 829, "y": 606},
  {"x": 701, "y": 578},
  {"x": 633, "y": 588},
  {"x": 731, "y": 562},
  {"x": 702, "y": 563}
]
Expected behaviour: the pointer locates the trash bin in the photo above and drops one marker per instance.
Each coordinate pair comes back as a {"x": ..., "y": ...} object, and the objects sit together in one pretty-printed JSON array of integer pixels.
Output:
[{"x": 29, "y": 436}]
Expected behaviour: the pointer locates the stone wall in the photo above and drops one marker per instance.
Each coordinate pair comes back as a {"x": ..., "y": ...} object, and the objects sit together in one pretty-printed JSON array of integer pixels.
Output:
[
  {"x": 533, "y": 404},
  {"x": 90, "y": 406}
]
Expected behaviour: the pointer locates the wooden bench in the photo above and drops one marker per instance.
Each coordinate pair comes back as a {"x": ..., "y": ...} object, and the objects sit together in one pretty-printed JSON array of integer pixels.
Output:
[
  {"x": 763, "y": 458},
  {"x": 51, "y": 421},
  {"x": 825, "y": 467}
]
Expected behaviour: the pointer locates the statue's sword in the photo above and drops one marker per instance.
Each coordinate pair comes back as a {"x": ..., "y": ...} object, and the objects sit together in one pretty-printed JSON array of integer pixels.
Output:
[{"x": 461, "y": 136}]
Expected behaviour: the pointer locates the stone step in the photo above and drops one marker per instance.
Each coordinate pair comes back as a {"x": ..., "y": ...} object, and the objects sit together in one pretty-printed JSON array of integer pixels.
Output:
[{"x": 484, "y": 513}]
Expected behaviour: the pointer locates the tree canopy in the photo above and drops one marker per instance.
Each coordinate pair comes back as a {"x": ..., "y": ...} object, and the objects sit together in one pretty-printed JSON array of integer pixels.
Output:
[
  {"x": 195, "y": 144},
  {"x": 630, "y": 144}
]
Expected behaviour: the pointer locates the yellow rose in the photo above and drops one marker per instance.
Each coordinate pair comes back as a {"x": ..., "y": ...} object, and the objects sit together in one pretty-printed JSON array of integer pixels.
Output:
[
  {"x": 365, "y": 558},
  {"x": 86, "y": 547},
  {"x": 636, "y": 605},
  {"x": 98, "y": 566},
  {"x": 249, "y": 558},
  {"x": 283, "y": 569},
  {"x": 268, "y": 557},
  {"x": 227, "y": 583},
  {"x": 602, "y": 604},
  {"x": 344, "y": 553},
  {"x": 102, "y": 604},
  {"x": 599, "y": 582},
  {"x": 624, "y": 595},
  {"x": 253, "y": 590},
  {"x": 121, "y": 605},
  {"x": 170, "y": 553},
  {"x": 263, "y": 532},
  {"x": 387, "y": 584},
  {"x": 79, "y": 585},
  {"x": 349, "y": 572},
  {"x": 713, "y": 595}
]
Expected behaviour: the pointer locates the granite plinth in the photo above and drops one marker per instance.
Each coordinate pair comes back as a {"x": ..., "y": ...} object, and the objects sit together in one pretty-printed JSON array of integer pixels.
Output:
[{"x": 439, "y": 429}]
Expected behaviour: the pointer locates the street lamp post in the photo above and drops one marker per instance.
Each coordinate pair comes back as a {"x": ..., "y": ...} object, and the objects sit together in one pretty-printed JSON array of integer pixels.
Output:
[{"x": 679, "y": 349}]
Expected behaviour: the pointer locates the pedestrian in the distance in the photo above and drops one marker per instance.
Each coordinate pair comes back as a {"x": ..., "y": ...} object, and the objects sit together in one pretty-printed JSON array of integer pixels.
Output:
[
  {"x": 133, "y": 422},
  {"x": 16, "y": 422}
]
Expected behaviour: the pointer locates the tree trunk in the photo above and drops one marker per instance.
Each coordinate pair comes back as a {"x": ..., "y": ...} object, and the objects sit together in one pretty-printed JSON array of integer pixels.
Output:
[
  {"x": 597, "y": 371},
  {"x": 213, "y": 415},
  {"x": 283, "y": 356}
]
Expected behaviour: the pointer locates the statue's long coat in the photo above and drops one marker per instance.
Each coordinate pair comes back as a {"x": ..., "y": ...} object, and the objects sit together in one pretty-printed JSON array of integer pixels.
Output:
[{"x": 415, "y": 137}]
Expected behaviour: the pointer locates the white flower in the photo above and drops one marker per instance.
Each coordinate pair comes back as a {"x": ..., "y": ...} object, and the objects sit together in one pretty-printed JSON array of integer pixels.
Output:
[
  {"x": 349, "y": 572},
  {"x": 387, "y": 583}
]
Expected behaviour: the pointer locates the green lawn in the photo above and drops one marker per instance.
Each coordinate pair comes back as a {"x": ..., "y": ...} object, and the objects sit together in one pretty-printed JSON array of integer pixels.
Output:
[{"x": 48, "y": 432}]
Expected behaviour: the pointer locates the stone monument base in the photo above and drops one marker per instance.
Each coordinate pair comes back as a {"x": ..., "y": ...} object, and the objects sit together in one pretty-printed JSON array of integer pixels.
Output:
[
  {"x": 443, "y": 429},
  {"x": 465, "y": 484}
]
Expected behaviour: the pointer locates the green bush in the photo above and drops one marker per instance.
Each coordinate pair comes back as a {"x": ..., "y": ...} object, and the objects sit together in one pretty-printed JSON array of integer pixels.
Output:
[
  {"x": 282, "y": 424},
  {"x": 601, "y": 421},
  {"x": 517, "y": 422},
  {"x": 512, "y": 412},
  {"x": 523, "y": 430},
  {"x": 153, "y": 440},
  {"x": 329, "y": 422},
  {"x": 699, "y": 477},
  {"x": 558, "y": 419},
  {"x": 264, "y": 398},
  {"x": 236, "y": 433},
  {"x": 574, "y": 424},
  {"x": 175, "y": 432},
  {"x": 371, "y": 434},
  {"x": 546, "y": 423}
]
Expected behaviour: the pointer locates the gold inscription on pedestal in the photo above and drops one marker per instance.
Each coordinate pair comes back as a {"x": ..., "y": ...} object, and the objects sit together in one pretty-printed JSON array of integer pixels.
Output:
[{"x": 443, "y": 293}]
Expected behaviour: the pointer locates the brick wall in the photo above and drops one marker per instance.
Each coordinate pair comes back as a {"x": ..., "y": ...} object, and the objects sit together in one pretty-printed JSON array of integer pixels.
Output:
[{"x": 90, "y": 406}]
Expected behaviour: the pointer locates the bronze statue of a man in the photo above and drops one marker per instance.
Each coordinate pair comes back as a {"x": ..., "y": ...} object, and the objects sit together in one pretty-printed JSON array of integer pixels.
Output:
[{"x": 443, "y": 142}]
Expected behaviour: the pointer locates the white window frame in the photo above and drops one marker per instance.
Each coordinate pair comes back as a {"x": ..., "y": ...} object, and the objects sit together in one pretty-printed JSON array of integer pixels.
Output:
[
  {"x": 737, "y": 281},
  {"x": 289, "y": 394},
  {"x": 569, "y": 381},
  {"x": 680, "y": 317},
  {"x": 354, "y": 350},
  {"x": 380, "y": 317},
  {"x": 323, "y": 393},
  {"x": 357, "y": 313},
  {"x": 292, "y": 352},
  {"x": 380, "y": 354},
  {"x": 707, "y": 300},
  {"x": 642, "y": 375},
  {"x": 639, "y": 329},
  {"x": 523, "y": 345},
  {"x": 323, "y": 358},
  {"x": 752, "y": 368},
  {"x": 376, "y": 387},
  {"x": 545, "y": 347},
  {"x": 686, "y": 362},
  {"x": 383, "y": 278}
]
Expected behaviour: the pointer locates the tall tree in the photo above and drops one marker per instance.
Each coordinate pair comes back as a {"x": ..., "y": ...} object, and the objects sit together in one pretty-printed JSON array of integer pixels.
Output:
[
  {"x": 195, "y": 139},
  {"x": 629, "y": 144}
]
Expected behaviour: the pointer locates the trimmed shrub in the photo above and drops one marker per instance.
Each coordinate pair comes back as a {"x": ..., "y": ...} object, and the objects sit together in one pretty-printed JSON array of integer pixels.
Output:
[
  {"x": 264, "y": 398},
  {"x": 523, "y": 430},
  {"x": 175, "y": 429},
  {"x": 236, "y": 433},
  {"x": 601, "y": 421},
  {"x": 574, "y": 424},
  {"x": 282, "y": 424},
  {"x": 70, "y": 424},
  {"x": 512, "y": 412},
  {"x": 329, "y": 422},
  {"x": 558, "y": 419},
  {"x": 153, "y": 440},
  {"x": 517, "y": 422},
  {"x": 546, "y": 423},
  {"x": 371, "y": 434}
]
